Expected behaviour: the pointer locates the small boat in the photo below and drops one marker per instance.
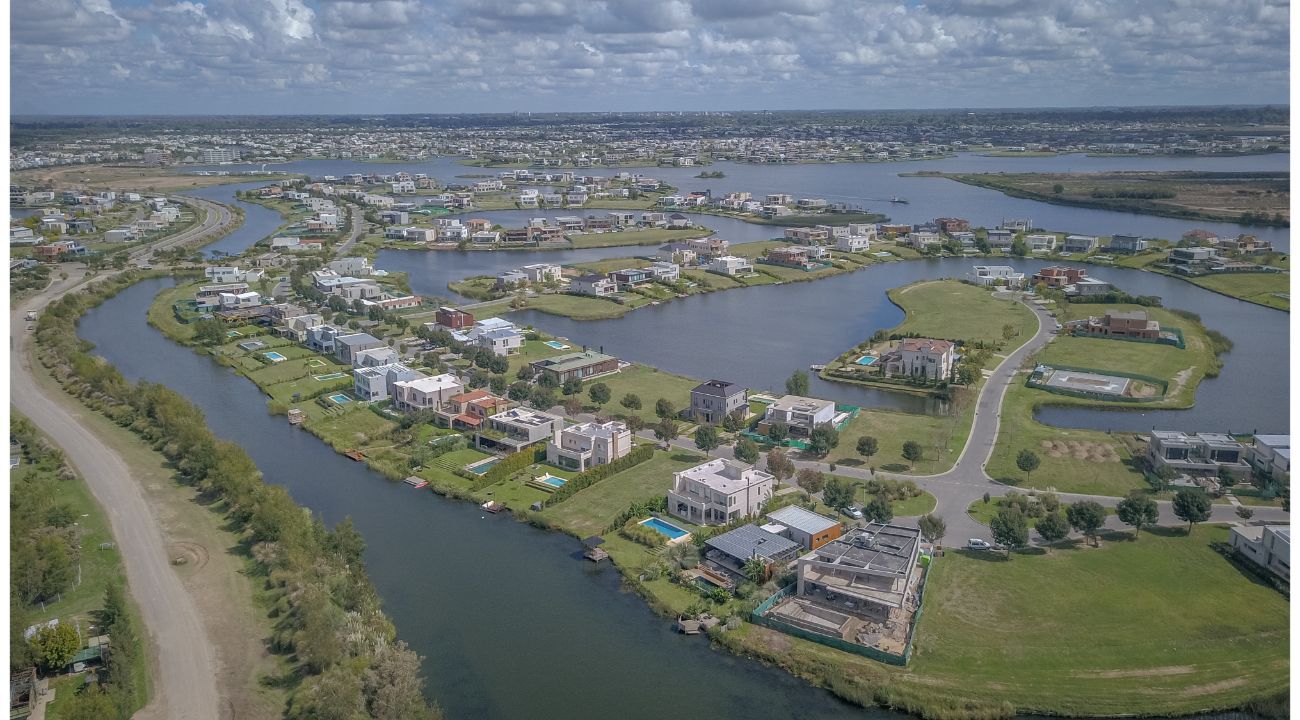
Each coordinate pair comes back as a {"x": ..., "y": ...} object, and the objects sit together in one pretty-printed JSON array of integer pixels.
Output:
[
  {"x": 816, "y": 368},
  {"x": 898, "y": 200},
  {"x": 493, "y": 506},
  {"x": 355, "y": 455},
  {"x": 416, "y": 482}
]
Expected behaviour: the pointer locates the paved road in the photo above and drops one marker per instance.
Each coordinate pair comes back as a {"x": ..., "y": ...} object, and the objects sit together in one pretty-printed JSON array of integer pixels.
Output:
[
  {"x": 185, "y": 673},
  {"x": 358, "y": 224}
]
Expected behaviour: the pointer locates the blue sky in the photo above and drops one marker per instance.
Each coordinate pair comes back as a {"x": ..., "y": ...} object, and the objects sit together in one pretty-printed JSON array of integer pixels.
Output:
[{"x": 413, "y": 56}]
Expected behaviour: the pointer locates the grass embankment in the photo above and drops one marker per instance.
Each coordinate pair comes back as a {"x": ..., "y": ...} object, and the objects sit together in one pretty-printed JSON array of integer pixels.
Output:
[
  {"x": 1267, "y": 289},
  {"x": 652, "y": 236},
  {"x": 1261, "y": 198}
]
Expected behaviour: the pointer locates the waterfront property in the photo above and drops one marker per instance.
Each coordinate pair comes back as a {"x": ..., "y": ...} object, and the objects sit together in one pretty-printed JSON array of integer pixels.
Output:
[
  {"x": 728, "y": 552},
  {"x": 663, "y": 527},
  {"x": 517, "y": 428},
  {"x": 1199, "y": 454},
  {"x": 469, "y": 410},
  {"x": 1058, "y": 276},
  {"x": 1124, "y": 324},
  {"x": 576, "y": 366},
  {"x": 714, "y": 400},
  {"x": 801, "y": 414},
  {"x": 730, "y": 265},
  {"x": 378, "y": 382},
  {"x": 919, "y": 357},
  {"x": 1268, "y": 546},
  {"x": 719, "y": 491},
  {"x": 582, "y": 446},
  {"x": 1080, "y": 381},
  {"x": 425, "y": 393},
  {"x": 998, "y": 275},
  {"x": 1271, "y": 456},
  {"x": 592, "y": 285},
  {"x": 811, "y": 530},
  {"x": 347, "y": 346}
]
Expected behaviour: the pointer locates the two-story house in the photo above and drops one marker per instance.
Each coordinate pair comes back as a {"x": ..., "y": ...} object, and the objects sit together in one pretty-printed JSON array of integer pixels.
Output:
[
  {"x": 714, "y": 400},
  {"x": 582, "y": 446},
  {"x": 718, "y": 492}
]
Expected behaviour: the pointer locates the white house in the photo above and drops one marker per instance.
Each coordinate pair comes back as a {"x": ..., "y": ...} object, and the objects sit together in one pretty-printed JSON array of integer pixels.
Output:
[
  {"x": 425, "y": 393},
  {"x": 997, "y": 275},
  {"x": 579, "y": 447},
  {"x": 730, "y": 265},
  {"x": 1042, "y": 242},
  {"x": 853, "y": 243},
  {"x": 593, "y": 285},
  {"x": 718, "y": 492},
  {"x": 800, "y": 414}
]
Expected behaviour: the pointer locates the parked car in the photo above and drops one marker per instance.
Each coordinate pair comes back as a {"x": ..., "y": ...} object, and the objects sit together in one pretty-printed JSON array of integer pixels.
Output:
[
  {"x": 978, "y": 544},
  {"x": 852, "y": 512}
]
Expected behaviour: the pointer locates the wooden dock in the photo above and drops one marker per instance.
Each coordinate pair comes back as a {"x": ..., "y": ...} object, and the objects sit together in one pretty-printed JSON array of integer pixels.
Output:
[{"x": 355, "y": 455}]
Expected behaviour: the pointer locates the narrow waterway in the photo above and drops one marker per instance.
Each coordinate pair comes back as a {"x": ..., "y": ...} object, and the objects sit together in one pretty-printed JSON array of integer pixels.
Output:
[
  {"x": 511, "y": 621},
  {"x": 259, "y": 221}
]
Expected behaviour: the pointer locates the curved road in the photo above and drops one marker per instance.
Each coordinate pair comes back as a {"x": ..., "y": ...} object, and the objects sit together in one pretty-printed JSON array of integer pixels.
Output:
[{"x": 186, "y": 665}]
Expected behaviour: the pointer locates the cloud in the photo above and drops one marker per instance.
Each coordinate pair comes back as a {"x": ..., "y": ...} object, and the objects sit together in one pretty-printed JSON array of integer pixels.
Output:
[{"x": 372, "y": 56}]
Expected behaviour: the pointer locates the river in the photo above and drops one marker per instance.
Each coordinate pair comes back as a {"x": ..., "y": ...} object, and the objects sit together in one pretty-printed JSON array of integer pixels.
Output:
[{"x": 511, "y": 621}]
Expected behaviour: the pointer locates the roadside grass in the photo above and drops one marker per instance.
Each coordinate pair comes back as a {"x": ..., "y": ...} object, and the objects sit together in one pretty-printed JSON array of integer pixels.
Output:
[
  {"x": 942, "y": 438},
  {"x": 914, "y": 506},
  {"x": 983, "y": 512},
  {"x": 653, "y": 236},
  {"x": 956, "y": 311},
  {"x": 1269, "y": 289},
  {"x": 1019, "y": 431},
  {"x": 591, "y": 509}
]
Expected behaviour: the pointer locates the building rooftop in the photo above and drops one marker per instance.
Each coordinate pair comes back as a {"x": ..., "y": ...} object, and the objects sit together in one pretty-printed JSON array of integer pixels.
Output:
[
  {"x": 357, "y": 339},
  {"x": 800, "y": 404},
  {"x": 725, "y": 476},
  {"x": 435, "y": 383},
  {"x": 1274, "y": 441},
  {"x": 572, "y": 361},
  {"x": 749, "y": 541},
  {"x": 594, "y": 429},
  {"x": 880, "y": 548},
  {"x": 524, "y": 417},
  {"x": 924, "y": 345},
  {"x": 717, "y": 388},
  {"x": 802, "y": 519}
]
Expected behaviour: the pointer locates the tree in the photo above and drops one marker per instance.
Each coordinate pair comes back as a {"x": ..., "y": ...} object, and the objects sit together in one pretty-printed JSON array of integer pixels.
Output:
[
  {"x": 667, "y": 430},
  {"x": 634, "y": 423},
  {"x": 933, "y": 528},
  {"x": 756, "y": 570},
  {"x": 631, "y": 401},
  {"x": 1010, "y": 529},
  {"x": 1192, "y": 505},
  {"x": 543, "y": 398},
  {"x": 664, "y": 409},
  {"x": 209, "y": 332},
  {"x": 1052, "y": 527},
  {"x": 1027, "y": 460},
  {"x": 55, "y": 646},
  {"x": 572, "y": 405},
  {"x": 1058, "y": 188},
  {"x": 797, "y": 384},
  {"x": 1244, "y": 512},
  {"x": 746, "y": 450},
  {"x": 779, "y": 464},
  {"x": 1138, "y": 510},
  {"x": 838, "y": 493},
  {"x": 1087, "y": 517},
  {"x": 812, "y": 481},
  {"x": 572, "y": 386},
  {"x": 1009, "y": 331},
  {"x": 518, "y": 391},
  {"x": 706, "y": 438},
  {"x": 777, "y": 432},
  {"x": 823, "y": 439},
  {"x": 734, "y": 420},
  {"x": 878, "y": 510},
  {"x": 911, "y": 452},
  {"x": 599, "y": 393},
  {"x": 867, "y": 446},
  {"x": 525, "y": 373}
]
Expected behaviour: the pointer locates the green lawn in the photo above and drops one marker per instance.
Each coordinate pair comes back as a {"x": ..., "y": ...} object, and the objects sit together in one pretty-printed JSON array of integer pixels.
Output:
[
  {"x": 1271, "y": 289},
  {"x": 911, "y": 507},
  {"x": 956, "y": 311},
  {"x": 649, "y": 384},
  {"x": 578, "y": 307},
  {"x": 941, "y": 437},
  {"x": 652, "y": 236},
  {"x": 983, "y": 512},
  {"x": 590, "y": 510}
]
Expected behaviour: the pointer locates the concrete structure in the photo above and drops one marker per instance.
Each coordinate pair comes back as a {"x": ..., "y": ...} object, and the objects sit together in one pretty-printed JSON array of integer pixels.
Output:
[
  {"x": 375, "y": 357},
  {"x": 1126, "y": 244},
  {"x": 1079, "y": 244},
  {"x": 346, "y": 346},
  {"x": 452, "y": 319},
  {"x": 376, "y": 382},
  {"x": 425, "y": 393},
  {"x": 1042, "y": 242},
  {"x": 1268, "y": 546},
  {"x": 517, "y": 428},
  {"x": 1132, "y": 323},
  {"x": 811, "y": 530},
  {"x": 997, "y": 275},
  {"x": 728, "y": 552},
  {"x": 469, "y": 410},
  {"x": 868, "y": 572},
  {"x": 1271, "y": 455},
  {"x": 718, "y": 492},
  {"x": 1198, "y": 454},
  {"x": 579, "y": 447},
  {"x": 714, "y": 400},
  {"x": 1057, "y": 277},
  {"x": 576, "y": 366},
  {"x": 500, "y": 341},
  {"x": 593, "y": 285},
  {"x": 730, "y": 265},
  {"x": 800, "y": 414},
  {"x": 919, "y": 357}
]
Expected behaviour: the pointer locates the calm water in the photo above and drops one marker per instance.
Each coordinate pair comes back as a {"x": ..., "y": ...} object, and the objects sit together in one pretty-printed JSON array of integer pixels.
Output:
[
  {"x": 870, "y": 185},
  {"x": 511, "y": 621},
  {"x": 259, "y": 221}
]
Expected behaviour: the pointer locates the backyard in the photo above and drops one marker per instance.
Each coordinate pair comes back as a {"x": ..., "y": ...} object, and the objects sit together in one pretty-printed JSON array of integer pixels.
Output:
[{"x": 590, "y": 511}]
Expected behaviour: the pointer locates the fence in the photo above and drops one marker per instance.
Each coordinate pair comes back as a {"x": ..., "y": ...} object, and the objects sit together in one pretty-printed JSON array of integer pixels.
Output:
[
  {"x": 759, "y": 617},
  {"x": 1089, "y": 395},
  {"x": 1177, "y": 342}
]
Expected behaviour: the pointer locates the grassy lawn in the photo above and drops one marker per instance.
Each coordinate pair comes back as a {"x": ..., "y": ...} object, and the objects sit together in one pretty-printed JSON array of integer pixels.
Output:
[
  {"x": 956, "y": 311},
  {"x": 577, "y": 307},
  {"x": 983, "y": 512},
  {"x": 590, "y": 510},
  {"x": 649, "y": 384},
  {"x": 911, "y": 507},
  {"x": 710, "y": 281},
  {"x": 941, "y": 437},
  {"x": 161, "y": 316},
  {"x": 652, "y": 236},
  {"x": 1090, "y": 461},
  {"x": 1270, "y": 289},
  {"x": 349, "y": 429}
]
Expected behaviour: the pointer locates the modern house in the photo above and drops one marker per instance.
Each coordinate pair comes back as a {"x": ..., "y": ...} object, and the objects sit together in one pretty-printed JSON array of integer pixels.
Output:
[
  {"x": 1041, "y": 242},
  {"x": 811, "y": 530},
  {"x": 801, "y": 414},
  {"x": 868, "y": 573},
  {"x": 320, "y": 337},
  {"x": 1130, "y": 323},
  {"x": 501, "y": 341},
  {"x": 919, "y": 357},
  {"x": 426, "y": 393},
  {"x": 1079, "y": 244},
  {"x": 1057, "y": 276},
  {"x": 1198, "y": 454},
  {"x": 714, "y": 400},
  {"x": 376, "y": 382},
  {"x": 1000, "y": 238},
  {"x": 469, "y": 410},
  {"x": 347, "y": 346},
  {"x": 854, "y": 243},
  {"x": 576, "y": 366},
  {"x": 719, "y": 491},
  {"x": 1271, "y": 455},
  {"x": 1084, "y": 287},
  {"x": 452, "y": 319},
  {"x": 1127, "y": 244},
  {"x": 593, "y": 285},
  {"x": 730, "y": 265},
  {"x": 1000, "y": 275},
  {"x": 629, "y": 278},
  {"x": 375, "y": 357},
  {"x": 665, "y": 272},
  {"x": 1268, "y": 546},
  {"x": 728, "y": 552},
  {"x": 539, "y": 273},
  {"x": 582, "y": 446},
  {"x": 517, "y": 428}
]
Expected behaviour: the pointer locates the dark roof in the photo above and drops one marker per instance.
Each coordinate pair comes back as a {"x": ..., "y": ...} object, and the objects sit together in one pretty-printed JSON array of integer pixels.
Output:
[
  {"x": 717, "y": 388},
  {"x": 748, "y": 541}
]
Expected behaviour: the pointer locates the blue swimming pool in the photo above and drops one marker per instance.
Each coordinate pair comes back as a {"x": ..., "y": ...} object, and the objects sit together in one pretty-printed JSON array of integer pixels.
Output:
[
  {"x": 273, "y": 356},
  {"x": 867, "y": 360},
  {"x": 556, "y": 345},
  {"x": 340, "y": 398},
  {"x": 668, "y": 530},
  {"x": 555, "y": 482},
  {"x": 482, "y": 467}
]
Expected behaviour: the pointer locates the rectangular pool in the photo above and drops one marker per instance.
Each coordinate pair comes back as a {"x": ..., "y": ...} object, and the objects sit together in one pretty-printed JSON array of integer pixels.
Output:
[
  {"x": 340, "y": 398},
  {"x": 867, "y": 360},
  {"x": 555, "y": 345},
  {"x": 481, "y": 468},
  {"x": 555, "y": 482},
  {"x": 330, "y": 376},
  {"x": 274, "y": 356},
  {"x": 667, "y": 529}
]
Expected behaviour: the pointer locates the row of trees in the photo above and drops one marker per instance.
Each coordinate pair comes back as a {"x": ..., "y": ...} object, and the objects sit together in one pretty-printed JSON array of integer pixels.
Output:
[{"x": 327, "y": 612}]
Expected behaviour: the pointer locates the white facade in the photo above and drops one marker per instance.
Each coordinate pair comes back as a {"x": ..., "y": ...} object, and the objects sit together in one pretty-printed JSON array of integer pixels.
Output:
[
  {"x": 719, "y": 491},
  {"x": 579, "y": 447},
  {"x": 997, "y": 275},
  {"x": 425, "y": 393},
  {"x": 731, "y": 265}
]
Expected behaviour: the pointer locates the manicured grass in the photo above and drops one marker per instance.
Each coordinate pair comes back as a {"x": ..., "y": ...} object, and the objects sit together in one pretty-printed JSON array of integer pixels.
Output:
[
  {"x": 645, "y": 382},
  {"x": 941, "y": 437},
  {"x": 1150, "y": 632},
  {"x": 577, "y": 307},
  {"x": 1066, "y": 473},
  {"x": 1270, "y": 289},
  {"x": 983, "y": 512},
  {"x": 710, "y": 280},
  {"x": 590, "y": 510},
  {"x": 956, "y": 311},
  {"x": 913, "y": 506},
  {"x": 652, "y": 236}
]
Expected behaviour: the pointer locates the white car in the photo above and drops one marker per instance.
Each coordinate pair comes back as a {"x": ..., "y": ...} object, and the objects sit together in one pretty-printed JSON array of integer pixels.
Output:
[{"x": 978, "y": 544}]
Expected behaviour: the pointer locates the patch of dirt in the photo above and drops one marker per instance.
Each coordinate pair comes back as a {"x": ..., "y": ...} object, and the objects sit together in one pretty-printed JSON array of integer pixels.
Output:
[
  {"x": 1179, "y": 380},
  {"x": 188, "y": 556},
  {"x": 1080, "y": 450},
  {"x": 1141, "y": 672},
  {"x": 1216, "y": 687}
]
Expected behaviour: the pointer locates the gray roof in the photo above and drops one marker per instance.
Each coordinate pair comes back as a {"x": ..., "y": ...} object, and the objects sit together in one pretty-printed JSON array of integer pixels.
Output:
[
  {"x": 357, "y": 339},
  {"x": 748, "y": 541},
  {"x": 802, "y": 519},
  {"x": 717, "y": 388},
  {"x": 886, "y": 549}
]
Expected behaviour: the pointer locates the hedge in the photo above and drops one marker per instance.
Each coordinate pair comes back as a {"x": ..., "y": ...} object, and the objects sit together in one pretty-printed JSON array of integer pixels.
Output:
[{"x": 594, "y": 475}]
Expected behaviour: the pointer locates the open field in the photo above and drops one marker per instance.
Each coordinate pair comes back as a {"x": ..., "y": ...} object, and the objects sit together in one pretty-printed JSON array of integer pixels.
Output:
[
  {"x": 956, "y": 311},
  {"x": 1222, "y": 196},
  {"x": 941, "y": 437},
  {"x": 654, "y": 236},
  {"x": 1269, "y": 289},
  {"x": 126, "y": 178}
]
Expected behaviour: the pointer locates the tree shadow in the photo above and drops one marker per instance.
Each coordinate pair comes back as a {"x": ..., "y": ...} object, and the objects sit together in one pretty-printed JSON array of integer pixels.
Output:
[{"x": 1167, "y": 530}]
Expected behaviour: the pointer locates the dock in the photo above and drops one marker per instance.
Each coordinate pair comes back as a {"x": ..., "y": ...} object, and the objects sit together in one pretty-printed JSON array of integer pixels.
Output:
[
  {"x": 493, "y": 506},
  {"x": 355, "y": 455},
  {"x": 416, "y": 482}
]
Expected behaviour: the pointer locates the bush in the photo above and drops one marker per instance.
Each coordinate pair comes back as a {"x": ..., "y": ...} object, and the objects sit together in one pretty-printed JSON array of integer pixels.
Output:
[
  {"x": 594, "y": 475},
  {"x": 642, "y": 534}
]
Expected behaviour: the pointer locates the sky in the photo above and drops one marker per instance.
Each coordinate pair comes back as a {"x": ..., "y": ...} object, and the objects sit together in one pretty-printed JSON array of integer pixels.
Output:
[{"x": 446, "y": 56}]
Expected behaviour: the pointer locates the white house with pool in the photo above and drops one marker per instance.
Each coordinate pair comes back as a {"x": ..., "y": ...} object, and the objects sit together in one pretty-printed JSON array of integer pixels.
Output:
[
  {"x": 719, "y": 491},
  {"x": 582, "y": 446}
]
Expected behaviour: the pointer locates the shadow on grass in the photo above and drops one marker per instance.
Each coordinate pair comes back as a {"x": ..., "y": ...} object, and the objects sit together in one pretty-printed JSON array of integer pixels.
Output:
[
  {"x": 685, "y": 457},
  {"x": 1167, "y": 530}
]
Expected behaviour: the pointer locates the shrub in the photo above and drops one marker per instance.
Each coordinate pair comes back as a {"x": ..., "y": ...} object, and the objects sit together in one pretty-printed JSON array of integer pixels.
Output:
[{"x": 594, "y": 475}]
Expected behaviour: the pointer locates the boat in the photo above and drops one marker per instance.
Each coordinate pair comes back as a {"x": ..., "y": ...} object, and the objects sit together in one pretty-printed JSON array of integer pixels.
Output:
[
  {"x": 493, "y": 506},
  {"x": 898, "y": 200},
  {"x": 355, "y": 455},
  {"x": 816, "y": 368},
  {"x": 416, "y": 482}
]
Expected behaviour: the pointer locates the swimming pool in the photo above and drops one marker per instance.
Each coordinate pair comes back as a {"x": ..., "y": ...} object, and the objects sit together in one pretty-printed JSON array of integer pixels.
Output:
[
  {"x": 667, "y": 529},
  {"x": 340, "y": 398},
  {"x": 481, "y": 468},
  {"x": 274, "y": 356},
  {"x": 867, "y": 360},
  {"x": 549, "y": 479},
  {"x": 331, "y": 376},
  {"x": 555, "y": 345}
]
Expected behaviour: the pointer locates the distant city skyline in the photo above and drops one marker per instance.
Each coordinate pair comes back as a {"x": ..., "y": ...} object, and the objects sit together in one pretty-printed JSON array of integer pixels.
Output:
[{"x": 468, "y": 56}]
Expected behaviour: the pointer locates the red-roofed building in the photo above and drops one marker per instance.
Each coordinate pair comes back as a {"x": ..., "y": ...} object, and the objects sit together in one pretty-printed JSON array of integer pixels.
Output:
[
  {"x": 469, "y": 410},
  {"x": 1058, "y": 276},
  {"x": 919, "y": 357}
]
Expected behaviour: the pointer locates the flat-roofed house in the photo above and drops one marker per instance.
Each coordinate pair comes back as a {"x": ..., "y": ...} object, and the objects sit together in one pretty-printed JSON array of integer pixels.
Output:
[
  {"x": 1197, "y": 454},
  {"x": 427, "y": 393},
  {"x": 801, "y": 414},
  {"x": 716, "y": 399},
  {"x": 1116, "y": 323},
  {"x": 593, "y": 285},
  {"x": 517, "y": 428},
  {"x": 376, "y": 382},
  {"x": 809, "y": 529},
  {"x": 582, "y": 446},
  {"x": 1079, "y": 244},
  {"x": 718, "y": 492},
  {"x": 1268, "y": 546},
  {"x": 997, "y": 275},
  {"x": 576, "y": 366},
  {"x": 868, "y": 572},
  {"x": 347, "y": 346},
  {"x": 1271, "y": 455},
  {"x": 730, "y": 551},
  {"x": 730, "y": 265}
]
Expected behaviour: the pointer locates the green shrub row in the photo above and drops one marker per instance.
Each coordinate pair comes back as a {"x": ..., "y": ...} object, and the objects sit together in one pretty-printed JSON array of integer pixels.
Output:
[{"x": 594, "y": 475}]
